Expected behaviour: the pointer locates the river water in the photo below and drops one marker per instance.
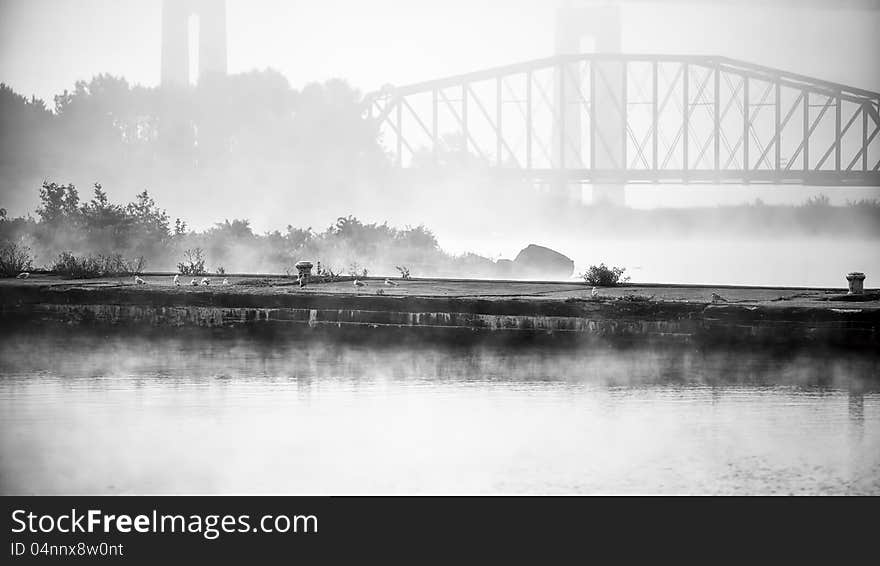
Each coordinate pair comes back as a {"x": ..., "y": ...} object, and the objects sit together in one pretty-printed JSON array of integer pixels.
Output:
[{"x": 90, "y": 413}]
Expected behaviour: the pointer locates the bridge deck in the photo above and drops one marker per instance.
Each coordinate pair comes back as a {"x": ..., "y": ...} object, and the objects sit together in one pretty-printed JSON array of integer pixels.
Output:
[{"x": 623, "y": 118}]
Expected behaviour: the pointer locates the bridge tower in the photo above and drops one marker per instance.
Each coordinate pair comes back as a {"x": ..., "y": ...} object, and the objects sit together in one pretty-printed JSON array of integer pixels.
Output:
[
  {"x": 575, "y": 21},
  {"x": 211, "y": 54}
]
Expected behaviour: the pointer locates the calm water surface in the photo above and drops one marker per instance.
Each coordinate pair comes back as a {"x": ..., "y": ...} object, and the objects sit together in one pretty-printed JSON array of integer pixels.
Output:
[{"x": 98, "y": 414}]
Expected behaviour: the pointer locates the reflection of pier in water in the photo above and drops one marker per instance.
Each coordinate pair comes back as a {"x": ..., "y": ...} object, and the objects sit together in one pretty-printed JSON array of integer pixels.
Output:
[{"x": 857, "y": 404}]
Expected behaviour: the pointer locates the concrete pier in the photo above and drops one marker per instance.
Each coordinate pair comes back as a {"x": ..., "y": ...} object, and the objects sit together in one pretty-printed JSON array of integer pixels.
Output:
[{"x": 458, "y": 309}]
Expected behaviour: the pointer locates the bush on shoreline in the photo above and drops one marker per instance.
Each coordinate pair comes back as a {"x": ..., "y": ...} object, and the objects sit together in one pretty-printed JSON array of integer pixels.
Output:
[
  {"x": 95, "y": 266},
  {"x": 194, "y": 262},
  {"x": 15, "y": 258},
  {"x": 604, "y": 276}
]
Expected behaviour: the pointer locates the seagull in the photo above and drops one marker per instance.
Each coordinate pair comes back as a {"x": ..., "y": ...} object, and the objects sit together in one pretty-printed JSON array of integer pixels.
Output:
[
  {"x": 139, "y": 281},
  {"x": 226, "y": 281},
  {"x": 206, "y": 281},
  {"x": 194, "y": 283},
  {"x": 594, "y": 293},
  {"x": 359, "y": 283},
  {"x": 23, "y": 275},
  {"x": 301, "y": 281},
  {"x": 716, "y": 298},
  {"x": 391, "y": 283},
  {"x": 177, "y": 280}
]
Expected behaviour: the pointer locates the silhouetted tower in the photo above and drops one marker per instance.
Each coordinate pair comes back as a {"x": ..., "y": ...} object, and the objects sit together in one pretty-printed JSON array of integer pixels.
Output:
[
  {"x": 601, "y": 22},
  {"x": 176, "y": 16}
]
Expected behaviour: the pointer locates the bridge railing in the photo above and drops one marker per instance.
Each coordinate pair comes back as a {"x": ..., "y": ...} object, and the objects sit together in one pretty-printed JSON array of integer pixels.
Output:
[{"x": 638, "y": 118}]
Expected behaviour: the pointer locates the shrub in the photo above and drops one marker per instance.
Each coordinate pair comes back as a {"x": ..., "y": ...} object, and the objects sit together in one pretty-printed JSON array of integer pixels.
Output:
[
  {"x": 221, "y": 270},
  {"x": 404, "y": 271},
  {"x": 325, "y": 274},
  {"x": 115, "y": 264},
  {"x": 14, "y": 259},
  {"x": 194, "y": 262},
  {"x": 637, "y": 298},
  {"x": 93, "y": 266},
  {"x": 819, "y": 201},
  {"x": 136, "y": 266},
  {"x": 603, "y": 276},
  {"x": 355, "y": 270},
  {"x": 69, "y": 265},
  {"x": 324, "y": 271}
]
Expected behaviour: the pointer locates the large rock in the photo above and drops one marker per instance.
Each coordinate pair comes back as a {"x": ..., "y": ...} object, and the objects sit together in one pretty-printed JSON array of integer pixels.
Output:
[{"x": 540, "y": 262}]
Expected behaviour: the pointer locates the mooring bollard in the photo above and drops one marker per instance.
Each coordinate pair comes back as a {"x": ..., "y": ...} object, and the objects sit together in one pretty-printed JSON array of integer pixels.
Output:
[
  {"x": 856, "y": 283},
  {"x": 304, "y": 268}
]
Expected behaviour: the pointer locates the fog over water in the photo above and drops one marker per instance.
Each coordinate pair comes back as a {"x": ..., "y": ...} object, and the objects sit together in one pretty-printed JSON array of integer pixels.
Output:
[{"x": 110, "y": 414}]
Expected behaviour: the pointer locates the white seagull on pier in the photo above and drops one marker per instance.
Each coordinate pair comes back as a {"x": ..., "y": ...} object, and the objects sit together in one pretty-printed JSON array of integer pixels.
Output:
[
  {"x": 226, "y": 281},
  {"x": 391, "y": 283},
  {"x": 194, "y": 283},
  {"x": 206, "y": 281},
  {"x": 594, "y": 293},
  {"x": 139, "y": 281},
  {"x": 23, "y": 275},
  {"x": 359, "y": 283},
  {"x": 176, "y": 280}
]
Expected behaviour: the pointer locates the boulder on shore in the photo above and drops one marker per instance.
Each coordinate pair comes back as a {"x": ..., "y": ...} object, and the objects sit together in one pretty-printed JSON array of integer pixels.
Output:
[{"x": 540, "y": 262}]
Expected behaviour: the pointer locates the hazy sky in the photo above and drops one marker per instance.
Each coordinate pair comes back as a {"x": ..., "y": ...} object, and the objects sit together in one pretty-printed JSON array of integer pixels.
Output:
[{"x": 46, "y": 45}]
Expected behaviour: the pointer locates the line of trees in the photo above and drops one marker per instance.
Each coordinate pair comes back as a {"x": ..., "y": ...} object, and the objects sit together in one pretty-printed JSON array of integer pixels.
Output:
[{"x": 69, "y": 232}]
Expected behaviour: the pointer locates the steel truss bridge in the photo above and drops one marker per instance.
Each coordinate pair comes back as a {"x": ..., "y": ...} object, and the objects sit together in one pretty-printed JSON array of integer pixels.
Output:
[{"x": 625, "y": 119}]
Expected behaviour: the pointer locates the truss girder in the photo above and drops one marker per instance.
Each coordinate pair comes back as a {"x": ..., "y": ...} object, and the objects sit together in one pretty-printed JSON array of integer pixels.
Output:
[{"x": 637, "y": 119}]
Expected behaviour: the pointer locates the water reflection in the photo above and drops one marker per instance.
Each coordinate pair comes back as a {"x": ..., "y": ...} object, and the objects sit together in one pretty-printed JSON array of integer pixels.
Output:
[
  {"x": 108, "y": 414},
  {"x": 857, "y": 406}
]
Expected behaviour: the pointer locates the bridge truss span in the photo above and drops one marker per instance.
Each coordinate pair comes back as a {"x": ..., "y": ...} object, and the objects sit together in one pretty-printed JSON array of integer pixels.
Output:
[{"x": 597, "y": 118}]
